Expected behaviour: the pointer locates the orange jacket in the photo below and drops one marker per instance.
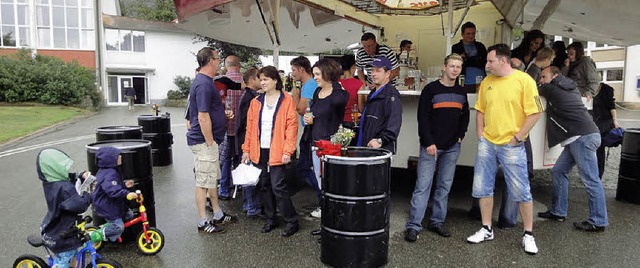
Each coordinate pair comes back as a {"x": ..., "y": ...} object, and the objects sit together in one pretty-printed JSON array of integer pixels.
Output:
[{"x": 284, "y": 132}]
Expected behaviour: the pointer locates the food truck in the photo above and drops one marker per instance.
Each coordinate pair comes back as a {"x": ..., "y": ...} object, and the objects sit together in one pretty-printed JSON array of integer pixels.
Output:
[{"x": 316, "y": 26}]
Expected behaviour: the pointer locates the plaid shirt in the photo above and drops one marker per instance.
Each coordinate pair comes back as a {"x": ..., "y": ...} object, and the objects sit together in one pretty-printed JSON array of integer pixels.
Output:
[{"x": 233, "y": 98}]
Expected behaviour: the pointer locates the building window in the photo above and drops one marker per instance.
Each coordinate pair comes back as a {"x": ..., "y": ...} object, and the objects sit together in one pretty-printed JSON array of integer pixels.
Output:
[
  {"x": 124, "y": 40},
  {"x": 14, "y": 23},
  {"x": 611, "y": 75},
  {"x": 614, "y": 75},
  {"x": 65, "y": 24}
]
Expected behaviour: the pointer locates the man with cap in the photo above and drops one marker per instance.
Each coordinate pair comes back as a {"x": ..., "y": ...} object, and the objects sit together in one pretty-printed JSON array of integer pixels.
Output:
[{"x": 382, "y": 115}]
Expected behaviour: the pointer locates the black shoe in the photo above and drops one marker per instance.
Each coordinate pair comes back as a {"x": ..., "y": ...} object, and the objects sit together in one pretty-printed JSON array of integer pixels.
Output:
[
  {"x": 226, "y": 218},
  {"x": 411, "y": 235},
  {"x": 268, "y": 227},
  {"x": 211, "y": 228},
  {"x": 315, "y": 232},
  {"x": 290, "y": 230},
  {"x": 548, "y": 215},
  {"x": 440, "y": 230},
  {"x": 588, "y": 227}
]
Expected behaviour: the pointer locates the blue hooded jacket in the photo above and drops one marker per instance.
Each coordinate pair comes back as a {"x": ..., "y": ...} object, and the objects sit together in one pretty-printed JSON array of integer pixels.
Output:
[
  {"x": 63, "y": 202},
  {"x": 110, "y": 193}
]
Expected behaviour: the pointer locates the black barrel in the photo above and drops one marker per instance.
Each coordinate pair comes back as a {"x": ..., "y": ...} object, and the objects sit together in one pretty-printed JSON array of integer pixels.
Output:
[
  {"x": 136, "y": 157},
  {"x": 136, "y": 166},
  {"x": 118, "y": 133},
  {"x": 155, "y": 123},
  {"x": 629, "y": 173},
  {"x": 356, "y": 208},
  {"x": 157, "y": 129}
]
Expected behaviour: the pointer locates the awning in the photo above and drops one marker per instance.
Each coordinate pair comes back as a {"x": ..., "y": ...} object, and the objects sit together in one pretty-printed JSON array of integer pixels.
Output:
[{"x": 122, "y": 68}]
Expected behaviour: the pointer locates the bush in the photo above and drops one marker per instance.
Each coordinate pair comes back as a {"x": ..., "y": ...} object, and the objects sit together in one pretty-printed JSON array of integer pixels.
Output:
[
  {"x": 46, "y": 80},
  {"x": 184, "y": 85}
]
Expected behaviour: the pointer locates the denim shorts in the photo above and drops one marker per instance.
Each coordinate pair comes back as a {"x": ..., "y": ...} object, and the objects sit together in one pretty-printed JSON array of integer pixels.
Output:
[
  {"x": 206, "y": 164},
  {"x": 513, "y": 159}
]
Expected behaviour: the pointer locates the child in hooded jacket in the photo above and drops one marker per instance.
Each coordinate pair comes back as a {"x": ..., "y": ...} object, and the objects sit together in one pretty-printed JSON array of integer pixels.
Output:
[
  {"x": 63, "y": 205},
  {"x": 110, "y": 193}
]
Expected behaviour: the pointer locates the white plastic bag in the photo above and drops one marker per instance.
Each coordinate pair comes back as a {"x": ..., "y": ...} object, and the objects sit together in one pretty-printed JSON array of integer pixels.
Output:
[{"x": 246, "y": 174}]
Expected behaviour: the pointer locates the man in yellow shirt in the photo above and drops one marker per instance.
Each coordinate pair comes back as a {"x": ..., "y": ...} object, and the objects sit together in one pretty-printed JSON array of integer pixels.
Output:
[{"x": 508, "y": 106}]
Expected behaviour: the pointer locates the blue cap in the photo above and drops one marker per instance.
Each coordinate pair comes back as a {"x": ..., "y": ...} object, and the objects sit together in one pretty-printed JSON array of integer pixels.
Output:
[{"x": 382, "y": 62}]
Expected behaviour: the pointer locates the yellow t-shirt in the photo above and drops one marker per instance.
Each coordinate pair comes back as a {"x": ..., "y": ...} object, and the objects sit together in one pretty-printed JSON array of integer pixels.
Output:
[{"x": 506, "y": 102}]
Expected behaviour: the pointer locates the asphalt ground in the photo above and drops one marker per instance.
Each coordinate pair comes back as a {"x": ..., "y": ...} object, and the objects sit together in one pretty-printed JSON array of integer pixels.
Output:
[{"x": 22, "y": 207}]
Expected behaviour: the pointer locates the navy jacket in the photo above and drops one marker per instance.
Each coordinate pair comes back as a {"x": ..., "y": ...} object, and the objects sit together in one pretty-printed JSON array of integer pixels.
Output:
[
  {"x": 567, "y": 115},
  {"x": 63, "y": 202},
  {"x": 110, "y": 193},
  {"x": 382, "y": 117}
]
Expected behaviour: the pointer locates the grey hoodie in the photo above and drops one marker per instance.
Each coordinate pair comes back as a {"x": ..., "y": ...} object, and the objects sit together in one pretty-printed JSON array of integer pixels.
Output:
[{"x": 567, "y": 114}]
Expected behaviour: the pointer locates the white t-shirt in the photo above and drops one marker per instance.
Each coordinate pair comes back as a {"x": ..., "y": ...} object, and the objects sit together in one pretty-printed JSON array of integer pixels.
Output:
[{"x": 267, "y": 124}]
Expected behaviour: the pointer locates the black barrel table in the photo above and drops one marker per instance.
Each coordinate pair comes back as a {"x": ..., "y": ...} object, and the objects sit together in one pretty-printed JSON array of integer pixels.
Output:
[
  {"x": 629, "y": 173},
  {"x": 136, "y": 166},
  {"x": 157, "y": 129},
  {"x": 356, "y": 208},
  {"x": 119, "y": 133}
]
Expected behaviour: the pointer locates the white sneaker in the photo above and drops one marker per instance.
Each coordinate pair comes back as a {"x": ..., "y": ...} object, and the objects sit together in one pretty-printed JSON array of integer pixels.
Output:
[
  {"x": 480, "y": 236},
  {"x": 317, "y": 213},
  {"x": 529, "y": 244}
]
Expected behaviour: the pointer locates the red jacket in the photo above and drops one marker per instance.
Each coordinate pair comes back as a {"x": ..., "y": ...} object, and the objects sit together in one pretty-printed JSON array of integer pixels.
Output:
[{"x": 284, "y": 131}]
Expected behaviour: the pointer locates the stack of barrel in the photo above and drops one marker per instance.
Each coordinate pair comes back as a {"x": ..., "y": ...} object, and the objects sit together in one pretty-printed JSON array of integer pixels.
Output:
[
  {"x": 136, "y": 166},
  {"x": 356, "y": 208},
  {"x": 629, "y": 176},
  {"x": 157, "y": 130}
]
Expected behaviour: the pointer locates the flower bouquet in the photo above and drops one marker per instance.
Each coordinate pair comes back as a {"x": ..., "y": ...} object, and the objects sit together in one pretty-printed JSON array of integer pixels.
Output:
[{"x": 343, "y": 136}]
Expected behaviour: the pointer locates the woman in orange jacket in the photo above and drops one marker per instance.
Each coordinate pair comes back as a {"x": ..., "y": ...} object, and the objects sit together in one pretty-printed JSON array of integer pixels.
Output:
[{"x": 272, "y": 129}]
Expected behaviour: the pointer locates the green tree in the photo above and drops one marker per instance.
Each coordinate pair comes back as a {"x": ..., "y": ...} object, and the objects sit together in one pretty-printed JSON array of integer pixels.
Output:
[{"x": 153, "y": 10}]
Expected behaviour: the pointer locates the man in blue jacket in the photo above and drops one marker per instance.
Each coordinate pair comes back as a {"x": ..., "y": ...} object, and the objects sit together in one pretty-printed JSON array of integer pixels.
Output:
[
  {"x": 382, "y": 115},
  {"x": 571, "y": 126}
]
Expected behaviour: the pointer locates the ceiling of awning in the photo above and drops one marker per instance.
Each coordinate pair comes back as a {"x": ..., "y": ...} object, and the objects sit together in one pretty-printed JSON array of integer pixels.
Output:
[
  {"x": 371, "y": 6},
  {"x": 610, "y": 22},
  {"x": 302, "y": 28}
]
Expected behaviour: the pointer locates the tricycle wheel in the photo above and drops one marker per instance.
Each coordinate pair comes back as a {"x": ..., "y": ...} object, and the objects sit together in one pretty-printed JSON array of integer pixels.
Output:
[
  {"x": 105, "y": 263},
  {"x": 155, "y": 243},
  {"x": 28, "y": 260}
]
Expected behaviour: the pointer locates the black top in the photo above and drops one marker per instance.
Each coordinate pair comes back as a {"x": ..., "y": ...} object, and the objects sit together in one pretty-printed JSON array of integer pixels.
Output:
[
  {"x": 567, "y": 114},
  {"x": 478, "y": 61},
  {"x": 443, "y": 115},
  {"x": 328, "y": 112},
  {"x": 129, "y": 91},
  {"x": 603, "y": 103},
  {"x": 241, "y": 117}
]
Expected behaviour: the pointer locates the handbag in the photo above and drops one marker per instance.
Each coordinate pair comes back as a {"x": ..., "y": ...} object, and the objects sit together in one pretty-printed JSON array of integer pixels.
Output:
[
  {"x": 246, "y": 174},
  {"x": 613, "y": 138}
]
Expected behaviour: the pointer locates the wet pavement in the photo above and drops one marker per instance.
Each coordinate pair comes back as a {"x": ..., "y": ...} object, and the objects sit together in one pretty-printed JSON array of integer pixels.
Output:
[{"x": 22, "y": 206}]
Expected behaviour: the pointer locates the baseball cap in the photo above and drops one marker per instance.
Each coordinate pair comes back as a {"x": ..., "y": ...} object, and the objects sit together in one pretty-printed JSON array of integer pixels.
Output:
[{"x": 381, "y": 62}]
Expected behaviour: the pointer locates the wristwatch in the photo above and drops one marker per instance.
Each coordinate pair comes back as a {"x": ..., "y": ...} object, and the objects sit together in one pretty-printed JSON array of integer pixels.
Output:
[{"x": 517, "y": 140}]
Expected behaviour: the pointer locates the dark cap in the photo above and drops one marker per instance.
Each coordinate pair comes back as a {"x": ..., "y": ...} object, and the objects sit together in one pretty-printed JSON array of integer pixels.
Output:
[{"x": 381, "y": 62}]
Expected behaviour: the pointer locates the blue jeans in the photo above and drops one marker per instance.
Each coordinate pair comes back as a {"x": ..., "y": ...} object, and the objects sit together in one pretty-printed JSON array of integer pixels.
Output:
[
  {"x": 63, "y": 259},
  {"x": 581, "y": 152},
  {"x": 446, "y": 161},
  {"x": 113, "y": 229},
  {"x": 251, "y": 200},
  {"x": 514, "y": 164},
  {"x": 316, "y": 169},
  {"x": 226, "y": 150},
  {"x": 304, "y": 168}
]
